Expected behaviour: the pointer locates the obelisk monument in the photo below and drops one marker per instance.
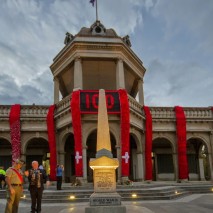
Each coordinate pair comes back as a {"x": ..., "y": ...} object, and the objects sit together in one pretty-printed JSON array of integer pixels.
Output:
[{"x": 105, "y": 198}]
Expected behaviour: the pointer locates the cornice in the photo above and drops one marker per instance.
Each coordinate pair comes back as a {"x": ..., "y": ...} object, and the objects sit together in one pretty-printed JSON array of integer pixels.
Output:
[{"x": 90, "y": 49}]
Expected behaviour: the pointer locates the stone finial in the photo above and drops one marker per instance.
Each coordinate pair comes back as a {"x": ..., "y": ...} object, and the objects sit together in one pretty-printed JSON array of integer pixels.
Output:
[
  {"x": 126, "y": 39},
  {"x": 69, "y": 37}
]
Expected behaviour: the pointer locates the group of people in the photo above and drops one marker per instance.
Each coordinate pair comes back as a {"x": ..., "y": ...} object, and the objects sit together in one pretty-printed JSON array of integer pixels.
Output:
[{"x": 36, "y": 176}]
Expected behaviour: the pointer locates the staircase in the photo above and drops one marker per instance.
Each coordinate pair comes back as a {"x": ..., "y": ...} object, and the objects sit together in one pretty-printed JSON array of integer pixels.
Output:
[{"x": 139, "y": 191}]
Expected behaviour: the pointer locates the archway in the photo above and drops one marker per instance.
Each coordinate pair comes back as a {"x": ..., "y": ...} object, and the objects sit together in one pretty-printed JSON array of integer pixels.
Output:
[
  {"x": 5, "y": 153},
  {"x": 198, "y": 160},
  {"x": 91, "y": 151},
  {"x": 162, "y": 158},
  {"x": 133, "y": 164},
  {"x": 38, "y": 150},
  {"x": 69, "y": 149}
]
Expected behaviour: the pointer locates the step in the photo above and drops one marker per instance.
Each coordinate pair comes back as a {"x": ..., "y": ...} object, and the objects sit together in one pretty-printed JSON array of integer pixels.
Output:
[{"x": 154, "y": 192}]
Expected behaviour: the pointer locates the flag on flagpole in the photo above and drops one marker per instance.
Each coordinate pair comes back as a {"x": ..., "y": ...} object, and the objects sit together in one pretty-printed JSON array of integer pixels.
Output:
[{"x": 92, "y": 2}]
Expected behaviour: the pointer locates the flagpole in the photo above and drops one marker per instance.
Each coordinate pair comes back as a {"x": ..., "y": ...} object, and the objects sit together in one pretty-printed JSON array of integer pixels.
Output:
[{"x": 96, "y": 10}]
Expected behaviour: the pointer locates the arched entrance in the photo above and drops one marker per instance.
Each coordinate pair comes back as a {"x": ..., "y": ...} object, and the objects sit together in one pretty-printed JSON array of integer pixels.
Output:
[
  {"x": 5, "y": 153},
  {"x": 91, "y": 151},
  {"x": 198, "y": 160},
  {"x": 133, "y": 164},
  {"x": 163, "y": 162},
  {"x": 69, "y": 149},
  {"x": 38, "y": 150}
]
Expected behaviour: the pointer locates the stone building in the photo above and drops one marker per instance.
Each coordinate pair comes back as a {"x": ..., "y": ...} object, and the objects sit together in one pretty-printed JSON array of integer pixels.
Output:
[{"x": 97, "y": 58}]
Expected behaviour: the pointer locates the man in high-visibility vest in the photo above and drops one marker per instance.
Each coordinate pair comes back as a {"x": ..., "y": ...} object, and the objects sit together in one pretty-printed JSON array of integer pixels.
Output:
[{"x": 2, "y": 177}]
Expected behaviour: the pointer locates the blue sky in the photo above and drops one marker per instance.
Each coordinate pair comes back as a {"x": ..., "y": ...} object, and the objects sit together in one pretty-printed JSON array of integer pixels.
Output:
[{"x": 174, "y": 39}]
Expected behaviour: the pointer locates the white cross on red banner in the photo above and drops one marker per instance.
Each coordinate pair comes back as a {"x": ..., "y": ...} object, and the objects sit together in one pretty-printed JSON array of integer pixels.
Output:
[
  {"x": 126, "y": 157},
  {"x": 77, "y": 157}
]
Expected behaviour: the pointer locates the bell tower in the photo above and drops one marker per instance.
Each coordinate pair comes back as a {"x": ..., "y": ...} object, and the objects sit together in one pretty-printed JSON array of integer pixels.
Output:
[{"x": 97, "y": 58}]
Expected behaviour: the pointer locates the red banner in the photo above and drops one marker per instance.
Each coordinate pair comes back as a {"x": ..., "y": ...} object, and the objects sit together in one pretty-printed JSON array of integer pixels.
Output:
[
  {"x": 148, "y": 144},
  {"x": 76, "y": 122},
  {"x": 15, "y": 131},
  {"x": 52, "y": 142},
  {"x": 125, "y": 127},
  {"x": 181, "y": 143}
]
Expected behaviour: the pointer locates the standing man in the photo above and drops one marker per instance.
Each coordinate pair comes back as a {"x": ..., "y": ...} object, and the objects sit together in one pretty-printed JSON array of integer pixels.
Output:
[
  {"x": 59, "y": 172},
  {"x": 14, "y": 180},
  {"x": 36, "y": 179}
]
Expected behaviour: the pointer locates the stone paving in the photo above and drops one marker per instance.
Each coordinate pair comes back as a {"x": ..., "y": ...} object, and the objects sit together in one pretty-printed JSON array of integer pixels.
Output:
[{"x": 195, "y": 203}]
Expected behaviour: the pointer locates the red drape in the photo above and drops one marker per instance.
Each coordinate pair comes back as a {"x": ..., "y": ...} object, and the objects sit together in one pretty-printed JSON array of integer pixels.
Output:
[
  {"x": 125, "y": 127},
  {"x": 52, "y": 141},
  {"x": 76, "y": 122},
  {"x": 181, "y": 142},
  {"x": 15, "y": 131},
  {"x": 148, "y": 144}
]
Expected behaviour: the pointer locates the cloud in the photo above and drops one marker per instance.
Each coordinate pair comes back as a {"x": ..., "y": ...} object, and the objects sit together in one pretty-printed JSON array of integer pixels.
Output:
[
  {"x": 174, "y": 39},
  {"x": 193, "y": 17},
  {"x": 122, "y": 15},
  {"x": 171, "y": 84}
]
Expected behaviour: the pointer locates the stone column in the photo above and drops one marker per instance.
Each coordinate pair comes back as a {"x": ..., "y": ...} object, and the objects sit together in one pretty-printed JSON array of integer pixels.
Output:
[
  {"x": 56, "y": 90},
  {"x": 210, "y": 154},
  {"x": 61, "y": 157},
  {"x": 78, "y": 78},
  {"x": 202, "y": 176},
  {"x": 85, "y": 163},
  {"x": 175, "y": 164},
  {"x": 140, "y": 92},
  {"x": 119, "y": 158},
  {"x": 140, "y": 167},
  {"x": 120, "y": 80},
  {"x": 23, "y": 157},
  {"x": 156, "y": 166}
]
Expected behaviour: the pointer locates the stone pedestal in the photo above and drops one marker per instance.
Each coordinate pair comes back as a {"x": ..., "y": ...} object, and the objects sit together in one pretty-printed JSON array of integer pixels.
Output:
[
  {"x": 105, "y": 203},
  {"x": 102, "y": 199},
  {"x": 104, "y": 180}
]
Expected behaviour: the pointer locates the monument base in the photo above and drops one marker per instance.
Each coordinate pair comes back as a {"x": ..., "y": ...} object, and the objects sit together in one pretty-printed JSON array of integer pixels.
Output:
[
  {"x": 105, "y": 209},
  {"x": 105, "y": 199},
  {"x": 105, "y": 203}
]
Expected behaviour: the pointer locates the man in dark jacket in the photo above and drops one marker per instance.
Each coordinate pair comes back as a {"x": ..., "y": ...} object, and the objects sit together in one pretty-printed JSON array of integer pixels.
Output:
[{"x": 36, "y": 178}]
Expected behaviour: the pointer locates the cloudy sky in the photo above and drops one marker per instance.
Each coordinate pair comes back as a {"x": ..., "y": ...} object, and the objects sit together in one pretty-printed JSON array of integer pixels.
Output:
[{"x": 173, "y": 38}]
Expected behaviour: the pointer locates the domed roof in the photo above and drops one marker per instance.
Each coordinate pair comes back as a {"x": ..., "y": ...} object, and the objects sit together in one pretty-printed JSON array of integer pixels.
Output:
[{"x": 97, "y": 29}]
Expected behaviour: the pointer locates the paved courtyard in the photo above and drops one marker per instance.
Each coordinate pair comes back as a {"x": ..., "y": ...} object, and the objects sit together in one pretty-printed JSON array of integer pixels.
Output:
[{"x": 196, "y": 203}]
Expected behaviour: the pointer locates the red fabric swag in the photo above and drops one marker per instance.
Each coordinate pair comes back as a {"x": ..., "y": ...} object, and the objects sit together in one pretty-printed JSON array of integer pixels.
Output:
[
  {"x": 52, "y": 141},
  {"x": 125, "y": 127},
  {"x": 76, "y": 122},
  {"x": 148, "y": 144},
  {"x": 15, "y": 131},
  {"x": 181, "y": 142}
]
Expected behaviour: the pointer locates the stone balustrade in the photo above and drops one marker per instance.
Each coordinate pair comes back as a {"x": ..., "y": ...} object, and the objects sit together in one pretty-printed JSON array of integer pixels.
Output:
[
  {"x": 32, "y": 111},
  {"x": 63, "y": 104},
  {"x": 190, "y": 112},
  {"x": 135, "y": 106},
  {"x": 4, "y": 111},
  {"x": 27, "y": 111},
  {"x": 198, "y": 112},
  {"x": 162, "y": 112}
]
